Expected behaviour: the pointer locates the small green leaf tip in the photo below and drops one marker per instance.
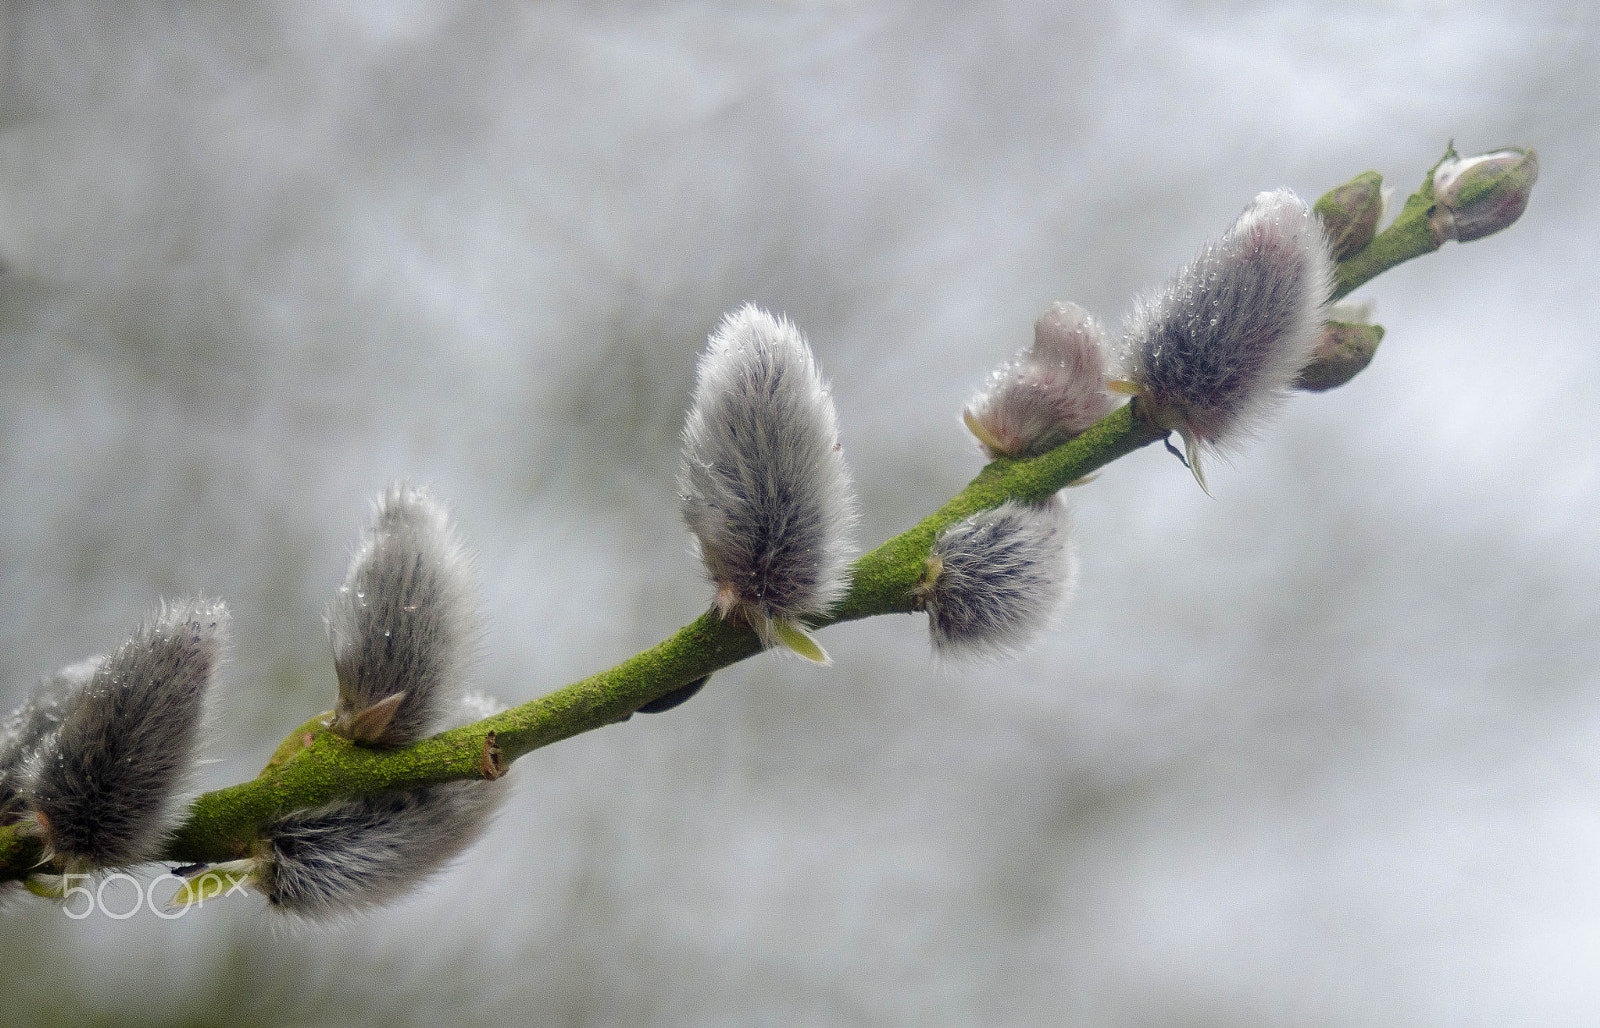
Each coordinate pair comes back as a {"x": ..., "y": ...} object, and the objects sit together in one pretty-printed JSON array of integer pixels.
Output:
[
  {"x": 1350, "y": 214},
  {"x": 1478, "y": 196},
  {"x": 216, "y": 880},
  {"x": 1191, "y": 456},
  {"x": 795, "y": 638}
]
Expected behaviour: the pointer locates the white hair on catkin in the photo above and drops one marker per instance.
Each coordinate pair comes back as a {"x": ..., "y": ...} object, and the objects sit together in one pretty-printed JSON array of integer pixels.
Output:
[
  {"x": 101, "y": 787},
  {"x": 1048, "y": 393},
  {"x": 39, "y": 716},
  {"x": 334, "y": 860},
  {"x": 763, "y": 481},
  {"x": 997, "y": 579},
  {"x": 1215, "y": 351},
  {"x": 404, "y": 623}
]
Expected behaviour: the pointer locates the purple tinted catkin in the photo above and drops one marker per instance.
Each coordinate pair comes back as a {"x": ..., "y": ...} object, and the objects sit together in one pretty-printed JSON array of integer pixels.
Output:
[
  {"x": 403, "y": 623},
  {"x": 1214, "y": 352},
  {"x": 763, "y": 482},
  {"x": 1047, "y": 393},
  {"x": 996, "y": 579},
  {"x": 100, "y": 788}
]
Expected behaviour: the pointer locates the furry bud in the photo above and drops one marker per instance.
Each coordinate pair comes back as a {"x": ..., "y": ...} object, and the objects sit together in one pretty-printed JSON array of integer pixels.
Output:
[
  {"x": 363, "y": 852},
  {"x": 40, "y": 715},
  {"x": 101, "y": 787},
  {"x": 995, "y": 580},
  {"x": 1477, "y": 196},
  {"x": 1350, "y": 214},
  {"x": 1048, "y": 393},
  {"x": 1211, "y": 354},
  {"x": 402, "y": 624},
  {"x": 763, "y": 481},
  {"x": 353, "y": 853}
]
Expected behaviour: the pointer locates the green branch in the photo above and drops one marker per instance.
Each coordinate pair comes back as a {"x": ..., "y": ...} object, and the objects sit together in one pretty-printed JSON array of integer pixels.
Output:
[
  {"x": 1410, "y": 235},
  {"x": 313, "y": 765},
  {"x": 222, "y": 825}
]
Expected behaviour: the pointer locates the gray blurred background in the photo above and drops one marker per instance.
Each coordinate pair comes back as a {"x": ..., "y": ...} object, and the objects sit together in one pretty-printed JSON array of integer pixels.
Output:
[{"x": 1322, "y": 751}]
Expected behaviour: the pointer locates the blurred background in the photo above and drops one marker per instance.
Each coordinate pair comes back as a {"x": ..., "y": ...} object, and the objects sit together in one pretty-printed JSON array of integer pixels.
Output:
[{"x": 1324, "y": 750}]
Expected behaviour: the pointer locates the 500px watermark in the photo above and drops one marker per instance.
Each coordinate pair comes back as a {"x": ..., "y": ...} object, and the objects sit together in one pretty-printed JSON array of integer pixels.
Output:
[{"x": 83, "y": 894}]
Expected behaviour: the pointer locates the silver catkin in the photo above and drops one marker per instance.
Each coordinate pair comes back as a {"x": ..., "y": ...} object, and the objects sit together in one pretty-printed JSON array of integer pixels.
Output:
[
  {"x": 101, "y": 787},
  {"x": 339, "y": 858},
  {"x": 404, "y": 622},
  {"x": 1216, "y": 349},
  {"x": 40, "y": 715},
  {"x": 1048, "y": 393},
  {"x": 763, "y": 481},
  {"x": 996, "y": 579}
]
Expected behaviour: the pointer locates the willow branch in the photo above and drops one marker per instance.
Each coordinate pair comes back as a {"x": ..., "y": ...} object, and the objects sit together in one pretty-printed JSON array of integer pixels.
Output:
[{"x": 314, "y": 766}]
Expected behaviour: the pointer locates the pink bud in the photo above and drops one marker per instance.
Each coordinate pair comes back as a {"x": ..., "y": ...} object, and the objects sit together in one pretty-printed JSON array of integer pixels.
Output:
[
  {"x": 1477, "y": 196},
  {"x": 1048, "y": 393}
]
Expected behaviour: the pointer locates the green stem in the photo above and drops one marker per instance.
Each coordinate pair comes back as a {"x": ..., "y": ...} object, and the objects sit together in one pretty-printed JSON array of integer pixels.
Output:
[{"x": 1410, "y": 235}]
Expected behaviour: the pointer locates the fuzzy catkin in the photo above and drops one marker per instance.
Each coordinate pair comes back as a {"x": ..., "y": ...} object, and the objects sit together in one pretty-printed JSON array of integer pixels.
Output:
[
  {"x": 403, "y": 622},
  {"x": 101, "y": 787},
  {"x": 996, "y": 579},
  {"x": 336, "y": 859},
  {"x": 1216, "y": 349},
  {"x": 39, "y": 716},
  {"x": 1048, "y": 393},
  {"x": 763, "y": 482}
]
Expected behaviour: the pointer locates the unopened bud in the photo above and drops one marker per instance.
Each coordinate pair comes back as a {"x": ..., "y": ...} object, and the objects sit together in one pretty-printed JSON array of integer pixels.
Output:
[
  {"x": 1350, "y": 214},
  {"x": 1342, "y": 351},
  {"x": 1478, "y": 196}
]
